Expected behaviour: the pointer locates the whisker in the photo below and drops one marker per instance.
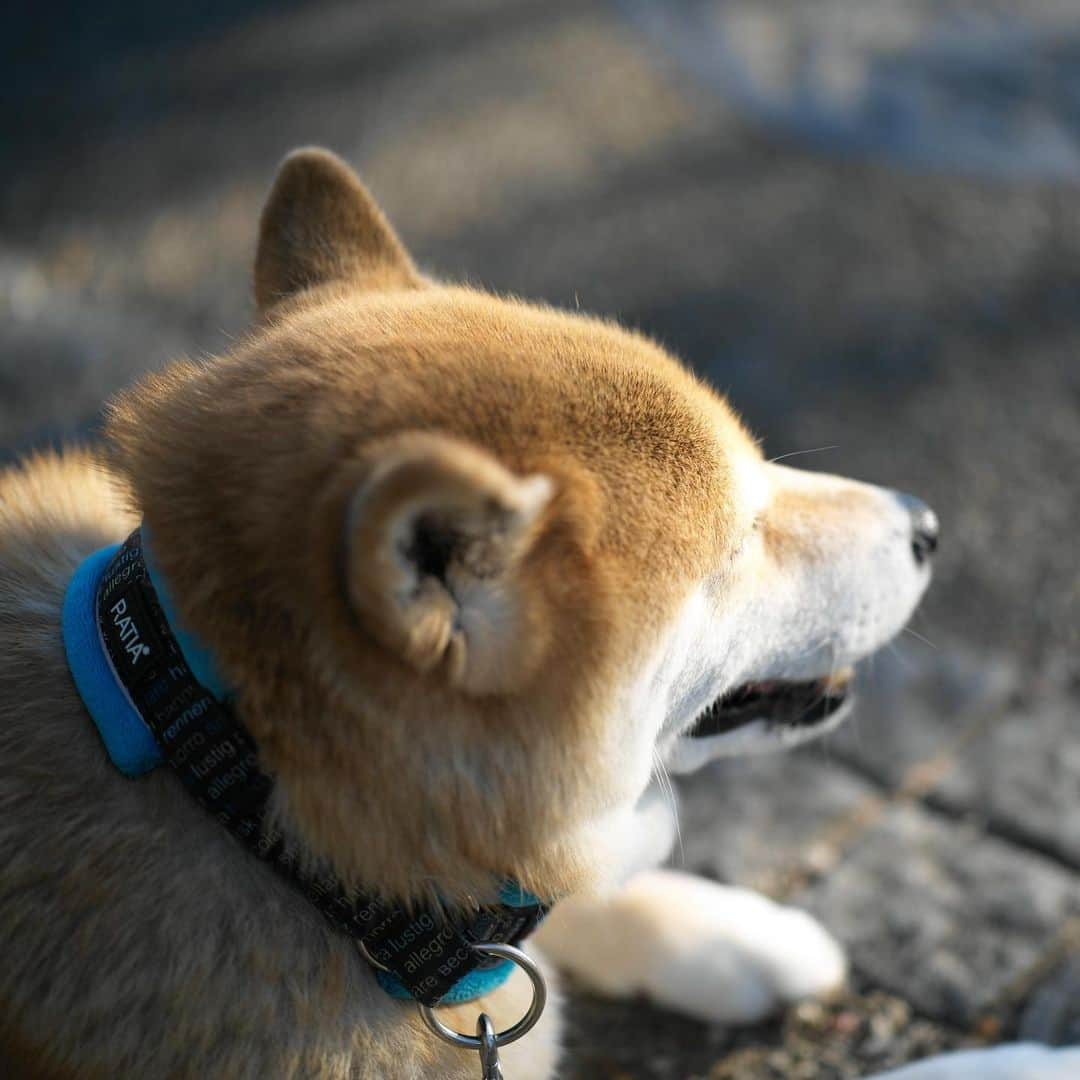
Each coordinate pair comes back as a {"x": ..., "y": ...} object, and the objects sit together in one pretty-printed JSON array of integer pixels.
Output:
[
  {"x": 667, "y": 788},
  {"x": 798, "y": 453},
  {"x": 904, "y": 662},
  {"x": 920, "y": 637}
]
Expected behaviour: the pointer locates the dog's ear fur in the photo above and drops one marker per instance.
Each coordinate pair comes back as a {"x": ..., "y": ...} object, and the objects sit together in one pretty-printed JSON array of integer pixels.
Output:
[
  {"x": 320, "y": 225},
  {"x": 438, "y": 541}
]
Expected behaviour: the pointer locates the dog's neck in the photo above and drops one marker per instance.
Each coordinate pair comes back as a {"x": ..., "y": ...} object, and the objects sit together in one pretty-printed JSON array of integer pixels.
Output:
[{"x": 155, "y": 694}]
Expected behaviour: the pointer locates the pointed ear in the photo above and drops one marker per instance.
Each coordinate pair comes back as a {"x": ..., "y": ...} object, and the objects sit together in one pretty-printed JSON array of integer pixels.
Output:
[
  {"x": 320, "y": 225},
  {"x": 438, "y": 543}
]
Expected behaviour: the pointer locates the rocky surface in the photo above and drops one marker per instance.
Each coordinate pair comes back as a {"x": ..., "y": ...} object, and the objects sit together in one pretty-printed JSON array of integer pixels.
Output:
[
  {"x": 836, "y": 1040},
  {"x": 919, "y": 315},
  {"x": 941, "y": 913}
]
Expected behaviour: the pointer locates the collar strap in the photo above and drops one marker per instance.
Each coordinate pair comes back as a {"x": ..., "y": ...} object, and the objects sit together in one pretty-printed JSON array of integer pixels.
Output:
[{"x": 150, "y": 708}]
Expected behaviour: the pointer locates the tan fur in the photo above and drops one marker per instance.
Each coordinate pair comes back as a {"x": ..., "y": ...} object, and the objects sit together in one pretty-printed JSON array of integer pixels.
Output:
[
  {"x": 276, "y": 439},
  {"x": 139, "y": 939},
  {"x": 481, "y": 515},
  {"x": 321, "y": 225},
  {"x": 272, "y": 479}
]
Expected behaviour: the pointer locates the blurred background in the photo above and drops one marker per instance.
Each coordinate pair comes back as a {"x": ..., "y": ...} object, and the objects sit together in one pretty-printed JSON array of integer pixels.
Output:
[{"x": 862, "y": 221}]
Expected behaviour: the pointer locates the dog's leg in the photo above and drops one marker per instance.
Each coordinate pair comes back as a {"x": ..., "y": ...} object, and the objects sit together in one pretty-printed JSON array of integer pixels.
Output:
[
  {"x": 1025, "y": 1061},
  {"x": 711, "y": 951}
]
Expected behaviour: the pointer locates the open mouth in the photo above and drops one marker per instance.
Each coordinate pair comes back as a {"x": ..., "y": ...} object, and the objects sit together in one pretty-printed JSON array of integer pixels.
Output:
[
  {"x": 778, "y": 703},
  {"x": 760, "y": 717}
]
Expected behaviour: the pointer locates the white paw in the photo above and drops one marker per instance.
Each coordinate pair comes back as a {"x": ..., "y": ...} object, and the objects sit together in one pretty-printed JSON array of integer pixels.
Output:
[
  {"x": 711, "y": 951},
  {"x": 1024, "y": 1061}
]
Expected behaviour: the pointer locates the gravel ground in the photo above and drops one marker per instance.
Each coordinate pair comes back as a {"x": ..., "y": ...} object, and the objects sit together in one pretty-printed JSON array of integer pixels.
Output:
[{"x": 916, "y": 312}]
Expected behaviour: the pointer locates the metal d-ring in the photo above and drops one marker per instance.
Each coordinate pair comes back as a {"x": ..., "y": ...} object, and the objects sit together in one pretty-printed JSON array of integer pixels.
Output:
[
  {"x": 368, "y": 957},
  {"x": 511, "y": 1034}
]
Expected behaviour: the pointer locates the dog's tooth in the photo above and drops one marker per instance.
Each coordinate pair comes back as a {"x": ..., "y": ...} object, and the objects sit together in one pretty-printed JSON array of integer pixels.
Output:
[{"x": 838, "y": 680}]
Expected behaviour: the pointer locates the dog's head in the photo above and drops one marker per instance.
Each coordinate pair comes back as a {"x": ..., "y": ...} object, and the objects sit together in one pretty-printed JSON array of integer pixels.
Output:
[{"x": 472, "y": 565}]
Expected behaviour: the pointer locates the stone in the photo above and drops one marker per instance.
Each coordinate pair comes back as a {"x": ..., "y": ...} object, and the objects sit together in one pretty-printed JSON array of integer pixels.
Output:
[
  {"x": 768, "y": 822},
  {"x": 941, "y": 914},
  {"x": 610, "y": 1040},
  {"x": 1022, "y": 777},
  {"x": 915, "y": 702}
]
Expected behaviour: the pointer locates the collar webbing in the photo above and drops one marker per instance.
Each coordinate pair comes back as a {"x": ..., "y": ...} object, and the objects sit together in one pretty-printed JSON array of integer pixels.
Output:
[{"x": 139, "y": 685}]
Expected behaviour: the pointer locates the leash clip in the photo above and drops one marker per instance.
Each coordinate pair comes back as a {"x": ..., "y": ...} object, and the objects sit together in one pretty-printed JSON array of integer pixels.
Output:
[
  {"x": 489, "y": 1049},
  {"x": 487, "y": 1041}
]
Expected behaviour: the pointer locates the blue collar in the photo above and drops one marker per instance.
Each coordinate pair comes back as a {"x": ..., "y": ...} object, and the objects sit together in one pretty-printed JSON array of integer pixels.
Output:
[
  {"x": 128, "y": 651},
  {"x": 127, "y": 737}
]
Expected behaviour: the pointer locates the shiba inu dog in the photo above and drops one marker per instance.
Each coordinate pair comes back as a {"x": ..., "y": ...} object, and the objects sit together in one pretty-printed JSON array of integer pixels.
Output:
[{"x": 465, "y": 569}]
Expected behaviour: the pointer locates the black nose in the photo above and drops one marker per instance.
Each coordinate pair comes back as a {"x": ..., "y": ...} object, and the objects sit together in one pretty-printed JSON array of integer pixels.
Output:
[{"x": 924, "y": 528}]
